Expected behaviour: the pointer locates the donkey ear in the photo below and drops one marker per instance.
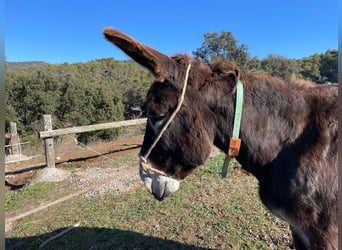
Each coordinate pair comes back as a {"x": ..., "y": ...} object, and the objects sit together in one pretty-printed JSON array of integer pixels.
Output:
[
  {"x": 151, "y": 59},
  {"x": 226, "y": 69}
]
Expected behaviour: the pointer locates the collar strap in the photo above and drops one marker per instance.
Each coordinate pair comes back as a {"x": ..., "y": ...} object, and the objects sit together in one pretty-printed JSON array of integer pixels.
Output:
[{"x": 235, "y": 141}]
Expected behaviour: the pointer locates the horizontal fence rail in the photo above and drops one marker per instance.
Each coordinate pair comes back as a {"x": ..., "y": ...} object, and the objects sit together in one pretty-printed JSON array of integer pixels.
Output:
[
  {"x": 88, "y": 128},
  {"x": 48, "y": 133}
]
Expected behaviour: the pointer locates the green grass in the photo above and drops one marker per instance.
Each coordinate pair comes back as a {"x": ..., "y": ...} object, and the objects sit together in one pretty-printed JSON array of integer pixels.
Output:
[
  {"x": 124, "y": 160},
  {"x": 33, "y": 193},
  {"x": 206, "y": 213}
]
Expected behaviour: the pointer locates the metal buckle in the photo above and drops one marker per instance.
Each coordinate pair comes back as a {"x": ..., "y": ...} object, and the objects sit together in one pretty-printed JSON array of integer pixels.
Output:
[{"x": 234, "y": 147}]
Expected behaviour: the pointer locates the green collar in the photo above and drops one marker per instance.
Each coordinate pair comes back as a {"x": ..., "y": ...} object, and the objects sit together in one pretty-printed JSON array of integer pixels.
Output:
[{"x": 235, "y": 142}]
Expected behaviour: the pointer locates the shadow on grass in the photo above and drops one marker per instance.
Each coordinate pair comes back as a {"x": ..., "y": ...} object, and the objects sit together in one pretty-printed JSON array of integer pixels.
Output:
[{"x": 96, "y": 239}]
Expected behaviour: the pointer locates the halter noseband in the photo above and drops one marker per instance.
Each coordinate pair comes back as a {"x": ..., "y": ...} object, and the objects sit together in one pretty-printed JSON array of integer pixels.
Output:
[{"x": 143, "y": 158}]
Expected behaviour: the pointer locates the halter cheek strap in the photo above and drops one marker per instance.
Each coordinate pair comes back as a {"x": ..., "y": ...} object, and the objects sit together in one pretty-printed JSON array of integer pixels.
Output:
[{"x": 143, "y": 158}]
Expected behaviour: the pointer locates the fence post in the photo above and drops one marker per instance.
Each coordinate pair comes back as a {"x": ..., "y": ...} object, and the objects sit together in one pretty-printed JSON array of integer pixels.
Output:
[
  {"x": 49, "y": 148},
  {"x": 14, "y": 139}
]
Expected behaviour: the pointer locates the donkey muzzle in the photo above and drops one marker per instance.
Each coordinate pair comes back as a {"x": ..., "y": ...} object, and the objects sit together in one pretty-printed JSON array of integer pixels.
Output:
[{"x": 159, "y": 185}]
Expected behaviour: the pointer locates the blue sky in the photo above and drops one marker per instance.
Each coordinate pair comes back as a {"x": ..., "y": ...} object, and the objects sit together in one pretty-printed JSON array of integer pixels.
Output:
[{"x": 58, "y": 31}]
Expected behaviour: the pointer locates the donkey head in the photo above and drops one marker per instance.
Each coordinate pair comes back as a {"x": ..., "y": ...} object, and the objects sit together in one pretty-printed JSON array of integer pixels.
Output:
[{"x": 187, "y": 141}]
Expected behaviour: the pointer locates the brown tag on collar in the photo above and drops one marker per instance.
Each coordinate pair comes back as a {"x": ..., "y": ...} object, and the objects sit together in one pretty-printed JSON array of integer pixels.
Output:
[{"x": 234, "y": 147}]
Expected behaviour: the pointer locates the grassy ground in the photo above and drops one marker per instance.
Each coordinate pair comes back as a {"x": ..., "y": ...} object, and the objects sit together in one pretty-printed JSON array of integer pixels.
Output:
[{"x": 206, "y": 213}]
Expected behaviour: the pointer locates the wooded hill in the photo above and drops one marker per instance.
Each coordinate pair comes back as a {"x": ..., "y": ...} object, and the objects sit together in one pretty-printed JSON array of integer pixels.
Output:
[
  {"x": 105, "y": 90},
  {"x": 76, "y": 94}
]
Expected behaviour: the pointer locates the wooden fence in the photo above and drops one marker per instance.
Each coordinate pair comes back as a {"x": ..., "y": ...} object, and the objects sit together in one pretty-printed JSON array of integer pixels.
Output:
[
  {"x": 13, "y": 137},
  {"x": 48, "y": 134}
]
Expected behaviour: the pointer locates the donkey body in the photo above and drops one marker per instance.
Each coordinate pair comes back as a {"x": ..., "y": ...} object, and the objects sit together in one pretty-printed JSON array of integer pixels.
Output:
[{"x": 288, "y": 136}]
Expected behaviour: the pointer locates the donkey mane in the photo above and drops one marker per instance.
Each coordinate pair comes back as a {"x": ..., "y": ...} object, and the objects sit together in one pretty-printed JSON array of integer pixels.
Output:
[{"x": 205, "y": 71}]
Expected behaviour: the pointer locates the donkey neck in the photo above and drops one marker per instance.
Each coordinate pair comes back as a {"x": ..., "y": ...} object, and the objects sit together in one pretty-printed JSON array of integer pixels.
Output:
[{"x": 274, "y": 114}]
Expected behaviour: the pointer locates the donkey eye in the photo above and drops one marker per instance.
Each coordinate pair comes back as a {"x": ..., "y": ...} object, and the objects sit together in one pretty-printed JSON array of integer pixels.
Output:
[{"x": 157, "y": 118}]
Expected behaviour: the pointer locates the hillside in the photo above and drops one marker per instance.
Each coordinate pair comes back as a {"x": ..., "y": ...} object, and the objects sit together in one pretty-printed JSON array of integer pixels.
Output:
[{"x": 22, "y": 66}]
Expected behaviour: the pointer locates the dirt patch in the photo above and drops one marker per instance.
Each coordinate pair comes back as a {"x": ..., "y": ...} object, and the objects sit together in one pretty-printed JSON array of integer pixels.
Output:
[
  {"x": 20, "y": 173},
  {"x": 117, "y": 180}
]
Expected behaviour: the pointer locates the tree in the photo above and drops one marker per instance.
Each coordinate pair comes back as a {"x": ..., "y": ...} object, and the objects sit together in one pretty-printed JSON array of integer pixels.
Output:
[
  {"x": 223, "y": 46},
  {"x": 279, "y": 66},
  {"x": 254, "y": 64},
  {"x": 29, "y": 95},
  {"x": 309, "y": 68},
  {"x": 329, "y": 66},
  {"x": 75, "y": 94},
  {"x": 320, "y": 68},
  {"x": 99, "y": 106}
]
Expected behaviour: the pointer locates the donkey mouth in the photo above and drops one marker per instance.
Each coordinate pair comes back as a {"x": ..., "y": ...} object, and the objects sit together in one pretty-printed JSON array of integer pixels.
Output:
[{"x": 158, "y": 185}]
